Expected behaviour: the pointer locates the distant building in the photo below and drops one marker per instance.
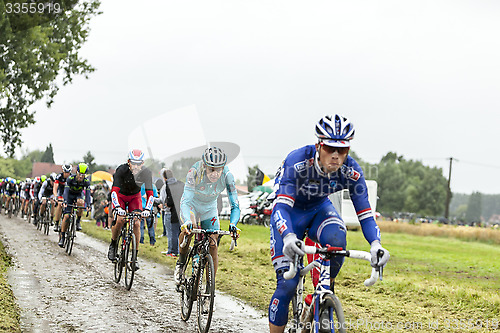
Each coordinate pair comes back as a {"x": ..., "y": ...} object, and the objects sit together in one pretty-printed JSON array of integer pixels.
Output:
[{"x": 43, "y": 168}]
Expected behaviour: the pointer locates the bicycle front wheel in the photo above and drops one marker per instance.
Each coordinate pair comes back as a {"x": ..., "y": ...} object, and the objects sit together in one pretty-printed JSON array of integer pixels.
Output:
[
  {"x": 206, "y": 294},
  {"x": 186, "y": 288},
  {"x": 119, "y": 261},
  {"x": 70, "y": 236},
  {"x": 331, "y": 315},
  {"x": 130, "y": 260}
]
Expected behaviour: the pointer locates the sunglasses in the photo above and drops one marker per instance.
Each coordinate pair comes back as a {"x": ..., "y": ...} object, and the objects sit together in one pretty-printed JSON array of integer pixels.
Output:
[{"x": 331, "y": 150}]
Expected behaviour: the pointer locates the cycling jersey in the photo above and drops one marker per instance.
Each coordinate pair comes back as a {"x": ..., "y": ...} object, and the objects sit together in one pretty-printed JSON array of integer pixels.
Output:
[
  {"x": 10, "y": 189},
  {"x": 200, "y": 196},
  {"x": 61, "y": 180},
  {"x": 47, "y": 190},
  {"x": 302, "y": 184},
  {"x": 127, "y": 187},
  {"x": 76, "y": 188}
]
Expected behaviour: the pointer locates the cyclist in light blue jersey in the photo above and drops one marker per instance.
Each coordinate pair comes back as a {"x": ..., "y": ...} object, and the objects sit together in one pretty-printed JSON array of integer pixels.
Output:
[
  {"x": 302, "y": 207},
  {"x": 204, "y": 183}
]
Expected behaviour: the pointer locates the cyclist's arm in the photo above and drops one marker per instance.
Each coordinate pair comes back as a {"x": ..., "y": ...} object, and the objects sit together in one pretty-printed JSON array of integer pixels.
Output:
[
  {"x": 233, "y": 199},
  {"x": 114, "y": 197},
  {"x": 359, "y": 197},
  {"x": 55, "y": 188},
  {"x": 188, "y": 195},
  {"x": 42, "y": 190}
]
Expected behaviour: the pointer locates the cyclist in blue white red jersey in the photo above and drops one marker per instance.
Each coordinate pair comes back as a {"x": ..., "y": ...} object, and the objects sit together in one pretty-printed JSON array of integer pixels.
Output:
[
  {"x": 302, "y": 208},
  {"x": 204, "y": 183},
  {"x": 126, "y": 195}
]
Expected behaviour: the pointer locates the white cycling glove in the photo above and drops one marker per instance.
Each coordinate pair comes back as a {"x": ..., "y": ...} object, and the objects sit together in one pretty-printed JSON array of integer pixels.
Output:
[
  {"x": 290, "y": 247},
  {"x": 145, "y": 213},
  {"x": 120, "y": 211},
  {"x": 378, "y": 261}
]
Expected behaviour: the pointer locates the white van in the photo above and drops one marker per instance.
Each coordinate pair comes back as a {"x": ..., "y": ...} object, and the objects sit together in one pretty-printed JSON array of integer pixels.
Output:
[{"x": 342, "y": 202}]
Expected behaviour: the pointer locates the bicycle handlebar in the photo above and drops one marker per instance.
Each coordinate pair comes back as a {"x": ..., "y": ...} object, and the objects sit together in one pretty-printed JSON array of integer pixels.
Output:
[
  {"x": 356, "y": 254},
  {"x": 212, "y": 232}
]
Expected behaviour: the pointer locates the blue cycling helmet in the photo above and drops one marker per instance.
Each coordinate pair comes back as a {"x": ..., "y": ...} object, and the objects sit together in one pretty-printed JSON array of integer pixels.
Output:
[
  {"x": 136, "y": 156},
  {"x": 335, "y": 131},
  {"x": 214, "y": 157}
]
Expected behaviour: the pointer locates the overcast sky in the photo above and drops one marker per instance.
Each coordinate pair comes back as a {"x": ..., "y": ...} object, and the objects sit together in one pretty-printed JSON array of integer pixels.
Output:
[{"x": 421, "y": 78}]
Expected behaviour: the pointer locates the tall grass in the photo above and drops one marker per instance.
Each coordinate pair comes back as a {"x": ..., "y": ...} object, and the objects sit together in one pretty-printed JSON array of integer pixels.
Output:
[
  {"x": 9, "y": 311},
  {"x": 486, "y": 235}
]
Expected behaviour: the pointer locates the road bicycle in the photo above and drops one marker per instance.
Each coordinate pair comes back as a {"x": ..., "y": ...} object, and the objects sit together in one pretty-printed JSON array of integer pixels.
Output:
[
  {"x": 45, "y": 220},
  {"x": 10, "y": 206},
  {"x": 325, "y": 313},
  {"x": 198, "y": 277},
  {"x": 127, "y": 250},
  {"x": 70, "y": 233}
]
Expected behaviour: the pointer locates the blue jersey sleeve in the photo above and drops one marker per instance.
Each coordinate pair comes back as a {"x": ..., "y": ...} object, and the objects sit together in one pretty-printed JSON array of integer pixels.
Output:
[
  {"x": 188, "y": 195},
  {"x": 233, "y": 198}
]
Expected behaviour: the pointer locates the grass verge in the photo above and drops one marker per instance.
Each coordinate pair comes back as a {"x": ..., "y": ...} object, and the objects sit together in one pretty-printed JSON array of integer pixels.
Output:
[
  {"x": 9, "y": 311},
  {"x": 430, "y": 284}
]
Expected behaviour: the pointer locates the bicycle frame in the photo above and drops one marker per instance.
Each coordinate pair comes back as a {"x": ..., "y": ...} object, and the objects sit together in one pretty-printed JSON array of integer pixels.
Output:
[{"x": 323, "y": 287}]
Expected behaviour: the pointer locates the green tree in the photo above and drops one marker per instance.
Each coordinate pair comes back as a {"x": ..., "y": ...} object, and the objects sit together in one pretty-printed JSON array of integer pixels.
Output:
[
  {"x": 89, "y": 160},
  {"x": 473, "y": 213},
  {"x": 34, "y": 50},
  {"x": 48, "y": 155}
]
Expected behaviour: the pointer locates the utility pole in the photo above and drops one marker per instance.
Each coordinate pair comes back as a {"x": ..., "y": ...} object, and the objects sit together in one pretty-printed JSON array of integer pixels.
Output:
[{"x": 448, "y": 193}]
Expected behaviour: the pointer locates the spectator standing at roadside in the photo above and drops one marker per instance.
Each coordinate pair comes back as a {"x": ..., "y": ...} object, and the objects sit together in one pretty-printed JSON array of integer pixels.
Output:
[
  {"x": 100, "y": 202},
  {"x": 150, "y": 219},
  {"x": 171, "y": 195},
  {"x": 165, "y": 211}
]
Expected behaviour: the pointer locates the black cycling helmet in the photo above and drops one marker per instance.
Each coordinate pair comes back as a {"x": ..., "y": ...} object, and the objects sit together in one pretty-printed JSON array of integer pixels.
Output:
[{"x": 66, "y": 168}]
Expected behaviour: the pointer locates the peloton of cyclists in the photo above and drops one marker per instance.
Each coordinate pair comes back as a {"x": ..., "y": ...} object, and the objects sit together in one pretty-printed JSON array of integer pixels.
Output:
[
  {"x": 126, "y": 195},
  {"x": 301, "y": 207},
  {"x": 204, "y": 182}
]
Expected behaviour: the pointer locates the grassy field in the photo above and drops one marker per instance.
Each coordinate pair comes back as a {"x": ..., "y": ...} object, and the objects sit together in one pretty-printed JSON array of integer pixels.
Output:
[
  {"x": 9, "y": 312},
  {"x": 431, "y": 283}
]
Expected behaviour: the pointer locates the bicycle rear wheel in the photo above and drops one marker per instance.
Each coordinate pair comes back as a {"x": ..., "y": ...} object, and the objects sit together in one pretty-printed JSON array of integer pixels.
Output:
[
  {"x": 70, "y": 235},
  {"x": 119, "y": 262},
  {"x": 206, "y": 294},
  {"x": 130, "y": 260},
  {"x": 331, "y": 315}
]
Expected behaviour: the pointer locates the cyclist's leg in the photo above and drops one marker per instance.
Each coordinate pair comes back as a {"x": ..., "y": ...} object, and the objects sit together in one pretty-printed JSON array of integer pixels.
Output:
[
  {"x": 80, "y": 203},
  {"x": 210, "y": 221},
  {"x": 329, "y": 229},
  {"x": 285, "y": 289}
]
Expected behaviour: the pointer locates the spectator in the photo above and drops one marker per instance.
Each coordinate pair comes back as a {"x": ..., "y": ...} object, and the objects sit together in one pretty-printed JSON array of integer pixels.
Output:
[
  {"x": 150, "y": 219},
  {"x": 100, "y": 202},
  {"x": 171, "y": 195}
]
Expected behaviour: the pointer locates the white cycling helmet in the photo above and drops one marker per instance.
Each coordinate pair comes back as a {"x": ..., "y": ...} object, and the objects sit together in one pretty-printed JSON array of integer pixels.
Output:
[
  {"x": 335, "y": 131},
  {"x": 66, "y": 168},
  {"x": 214, "y": 157},
  {"x": 136, "y": 156}
]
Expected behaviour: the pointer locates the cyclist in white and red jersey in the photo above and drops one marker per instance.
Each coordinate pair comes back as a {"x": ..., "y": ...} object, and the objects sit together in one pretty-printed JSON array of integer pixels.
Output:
[{"x": 126, "y": 196}]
